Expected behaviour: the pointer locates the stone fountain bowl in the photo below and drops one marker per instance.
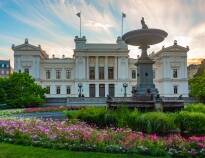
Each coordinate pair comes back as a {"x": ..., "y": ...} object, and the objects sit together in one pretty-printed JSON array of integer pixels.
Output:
[{"x": 144, "y": 37}]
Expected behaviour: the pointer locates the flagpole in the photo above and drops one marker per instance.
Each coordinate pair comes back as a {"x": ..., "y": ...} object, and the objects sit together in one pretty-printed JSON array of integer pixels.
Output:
[
  {"x": 80, "y": 24},
  {"x": 122, "y": 27},
  {"x": 123, "y": 16}
]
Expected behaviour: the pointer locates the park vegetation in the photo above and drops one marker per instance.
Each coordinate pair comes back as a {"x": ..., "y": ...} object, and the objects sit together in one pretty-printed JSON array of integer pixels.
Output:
[
  {"x": 189, "y": 121},
  {"x": 19, "y": 90},
  {"x": 197, "y": 87}
]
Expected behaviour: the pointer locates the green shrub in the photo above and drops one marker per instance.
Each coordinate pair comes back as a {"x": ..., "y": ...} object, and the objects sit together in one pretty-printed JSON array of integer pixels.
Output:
[
  {"x": 153, "y": 122},
  {"x": 132, "y": 119},
  {"x": 199, "y": 107},
  {"x": 191, "y": 122},
  {"x": 121, "y": 116},
  {"x": 92, "y": 115},
  {"x": 72, "y": 114}
]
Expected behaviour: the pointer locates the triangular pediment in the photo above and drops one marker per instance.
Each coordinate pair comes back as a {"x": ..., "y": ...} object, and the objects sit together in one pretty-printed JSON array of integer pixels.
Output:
[
  {"x": 175, "y": 48},
  {"x": 26, "y": 46}
]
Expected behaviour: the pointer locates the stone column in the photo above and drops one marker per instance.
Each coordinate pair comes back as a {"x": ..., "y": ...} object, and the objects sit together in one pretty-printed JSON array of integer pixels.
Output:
[
  {"x": 87, "y": 67},
  {"x": 106, "y": 89},
  {"x": 96, "y": 68},
  {"x": 106, "y": 68},
  {"x": 96, "y": 90},
  {"x": 115, "y": 68}
]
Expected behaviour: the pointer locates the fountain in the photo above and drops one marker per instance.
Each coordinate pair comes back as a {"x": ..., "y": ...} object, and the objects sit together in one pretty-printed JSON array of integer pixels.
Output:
[{"x": 145, "y": 95}]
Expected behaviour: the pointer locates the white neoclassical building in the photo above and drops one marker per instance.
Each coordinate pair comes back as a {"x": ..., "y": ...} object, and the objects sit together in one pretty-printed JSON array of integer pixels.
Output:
[{"x": 97, "y": 69}]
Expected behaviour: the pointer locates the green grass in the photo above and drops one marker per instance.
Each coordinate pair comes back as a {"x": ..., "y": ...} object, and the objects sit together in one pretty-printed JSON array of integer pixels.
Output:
[{"x": 18, "y": 151}]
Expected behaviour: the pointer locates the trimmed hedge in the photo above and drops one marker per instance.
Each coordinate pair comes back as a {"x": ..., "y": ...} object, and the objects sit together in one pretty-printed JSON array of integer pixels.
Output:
[
  {"x": 153, "y": 122},
  {"x": 149, "y": 122},
  {"x": 200, "y": 107},
  {"x": 191, "y": 122}
]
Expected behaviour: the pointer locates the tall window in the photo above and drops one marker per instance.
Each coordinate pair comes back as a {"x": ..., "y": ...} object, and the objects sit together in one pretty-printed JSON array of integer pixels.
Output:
[
  {"x": 92, "y": 73},
  {"x": 175, "y": 89},
  {"x": 175, "y": 73},
  {"x": 58, "y": 90},
  {"x": 26, "y": 70},
  {"x": 101, "y": 73},
  {"x": 68, "y": 74},
  {"x": 111, "y": 90},
  {"x": 48, "y": 89},
  {"x": 48, "y": 74},
  {"x": 110, "y": 73},
  {"x": 58, "y": 74},
  {"x": 68, "y": 90},
  {"x": 133, "y": 74}
]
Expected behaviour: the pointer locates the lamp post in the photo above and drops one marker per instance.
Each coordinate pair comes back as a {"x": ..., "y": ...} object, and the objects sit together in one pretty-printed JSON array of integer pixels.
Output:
[
  {"x": 80, "y": 88},
  {"x": 125, "y": 86}
]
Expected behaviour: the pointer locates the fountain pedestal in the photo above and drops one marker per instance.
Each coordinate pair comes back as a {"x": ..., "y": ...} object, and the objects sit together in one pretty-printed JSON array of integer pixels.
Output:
[
  {"x": 145, "y": 94},
  {"x": 145, "y": 85}
]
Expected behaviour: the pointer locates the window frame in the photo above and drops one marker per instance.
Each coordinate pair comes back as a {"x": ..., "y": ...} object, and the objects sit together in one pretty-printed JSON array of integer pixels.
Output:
[
  {"x": 48, "y": 75},
  {"x": 58, "y": 74},
  {"x": 101, "y": 73},
  {"x": 174, "y": 73},
  {"x": 110, "y": 73},
  {"x": 92, "y": 73},
  {"x": 175, "y": 88},
  {"x": 58, "y": 88},
  {"x": 68, "y": 88},
  {"x": 134, "y": 73},
  {"x": 68, "y": 74}
]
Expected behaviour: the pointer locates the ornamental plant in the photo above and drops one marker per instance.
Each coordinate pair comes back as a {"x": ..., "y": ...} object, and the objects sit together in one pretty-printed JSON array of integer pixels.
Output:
[
  {"x": 191, "y": 122},
  {"x": 83, "y": 137},
  {"x": 20, "y": 90}
]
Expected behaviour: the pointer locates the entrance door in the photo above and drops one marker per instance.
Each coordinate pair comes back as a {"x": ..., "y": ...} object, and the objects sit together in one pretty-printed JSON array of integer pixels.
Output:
[
  {"x": 111, "y": 90},
  {"x": 92, "y": 90},
  {"x": 101, "y": 90}
]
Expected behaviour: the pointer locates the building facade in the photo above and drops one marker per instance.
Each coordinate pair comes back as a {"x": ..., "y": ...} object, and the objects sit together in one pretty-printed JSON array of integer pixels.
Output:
[
  {"x": 5, "y": 68},
  {"x": 98, "y": 70}
]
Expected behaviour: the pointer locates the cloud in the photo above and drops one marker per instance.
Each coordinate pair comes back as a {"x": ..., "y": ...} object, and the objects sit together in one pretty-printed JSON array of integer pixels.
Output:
[{"x": 57, "y": 23}]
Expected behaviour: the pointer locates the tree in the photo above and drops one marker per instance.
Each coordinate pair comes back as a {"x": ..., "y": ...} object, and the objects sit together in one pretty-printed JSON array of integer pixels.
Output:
[
  {"x": 2, "y": 91},
  {"x": 20, "y": 90},
  {"x": 197, "y": 87}
]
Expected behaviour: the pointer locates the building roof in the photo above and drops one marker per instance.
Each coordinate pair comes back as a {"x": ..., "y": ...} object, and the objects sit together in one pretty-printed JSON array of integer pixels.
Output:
[
  {"x": 5, "y": 64},
  {"x": 174, "y": 48},
  {"x": 28, "y": 47}
]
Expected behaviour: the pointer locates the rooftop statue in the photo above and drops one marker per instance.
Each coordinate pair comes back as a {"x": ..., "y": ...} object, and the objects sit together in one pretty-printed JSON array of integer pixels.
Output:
[{"x": 144, "y": 26}]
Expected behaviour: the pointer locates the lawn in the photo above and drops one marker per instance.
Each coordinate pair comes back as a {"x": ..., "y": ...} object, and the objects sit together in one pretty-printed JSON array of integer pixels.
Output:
[{"x": 18, "y": 151}]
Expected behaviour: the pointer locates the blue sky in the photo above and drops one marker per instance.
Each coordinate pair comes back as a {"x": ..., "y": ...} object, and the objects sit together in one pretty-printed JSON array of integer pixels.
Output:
[{"x": 53, "y": 23}]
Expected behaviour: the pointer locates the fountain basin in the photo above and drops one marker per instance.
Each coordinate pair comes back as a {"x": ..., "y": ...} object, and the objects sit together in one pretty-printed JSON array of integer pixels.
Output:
[{"x": 144, "y": 37}]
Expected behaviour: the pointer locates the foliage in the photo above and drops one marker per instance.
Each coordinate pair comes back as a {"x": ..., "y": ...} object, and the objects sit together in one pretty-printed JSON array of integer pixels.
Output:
[
  {"x": 20, "y": 90},
  {"x": 197, "y": 87},
  {"x": 82, "y": 137},
  {"x": 191, "y": 122},
  {"x": 78, "y": 136},
  {"x": 51, "y": 108},
  {"x": 199, "y": 107},
  {"x": 92, "y": 115},
  {"x": 2, "y": 90},
  {"x": 4, "y": 113},
  {"x": 153, "y": 122}
]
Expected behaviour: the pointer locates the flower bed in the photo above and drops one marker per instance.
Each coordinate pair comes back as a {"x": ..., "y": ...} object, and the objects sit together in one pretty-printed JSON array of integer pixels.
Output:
[
  {"x": 5, "y": 113},
  {"x": 51, "y": 108},
  {"x": 82, "y": 137}
]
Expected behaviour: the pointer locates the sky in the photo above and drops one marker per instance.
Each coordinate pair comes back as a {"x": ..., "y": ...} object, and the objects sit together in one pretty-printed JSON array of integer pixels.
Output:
[{"x": 53, "y": 23}]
